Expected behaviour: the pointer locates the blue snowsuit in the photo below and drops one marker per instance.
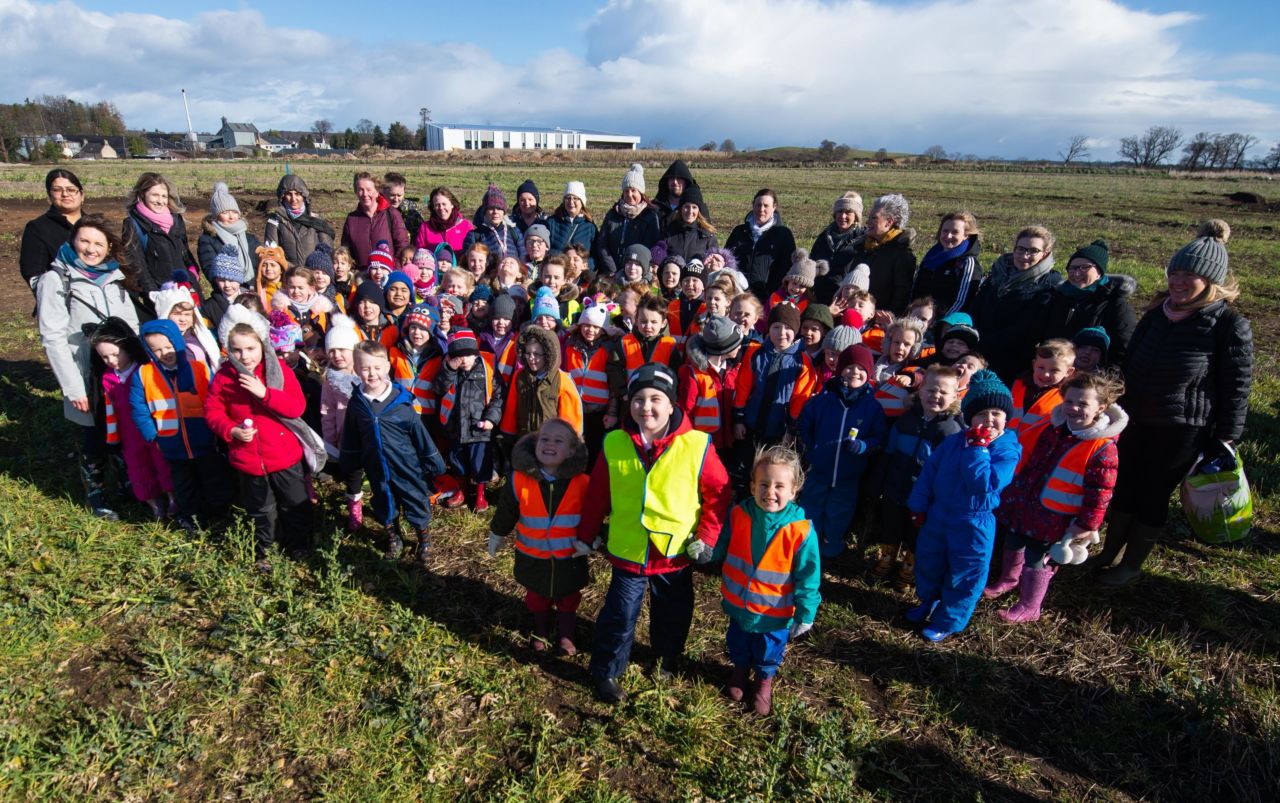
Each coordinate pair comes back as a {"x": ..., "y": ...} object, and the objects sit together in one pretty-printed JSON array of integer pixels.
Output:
[
  {"x": 958, "y": 488},
  {"x": 837, "y": 462},
  {"x": 393, "y": 448}
]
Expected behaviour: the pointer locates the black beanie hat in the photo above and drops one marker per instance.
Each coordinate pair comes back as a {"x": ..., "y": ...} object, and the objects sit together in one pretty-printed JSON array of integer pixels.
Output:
[
  {"x": 529, "y": 187},
  {"x": 653, "y": 375},
  {"x": 370, "y": 291}
]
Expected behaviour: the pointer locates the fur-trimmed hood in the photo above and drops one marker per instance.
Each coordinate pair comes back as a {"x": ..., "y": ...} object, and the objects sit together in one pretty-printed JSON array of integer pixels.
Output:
[
  {"x": 550, "y": 344},
  {"x": 524, "y": 459},
  {"x": 1112, "y": 422}
]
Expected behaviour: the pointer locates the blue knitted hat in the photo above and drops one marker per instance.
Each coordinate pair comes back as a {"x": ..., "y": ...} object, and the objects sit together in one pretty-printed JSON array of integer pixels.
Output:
[
  {"x": 1093, "y": 336},
  {"x": 226, "y": 265},
  {"x": 545, "y": 303},
  {"x": 986, "y": 392}
]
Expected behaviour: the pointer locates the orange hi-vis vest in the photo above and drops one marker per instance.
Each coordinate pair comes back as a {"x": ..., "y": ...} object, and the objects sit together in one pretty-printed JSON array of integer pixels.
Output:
[
  {"x": 420, "y": 385},
  {"x": 766, "y": 589},
  {"x": 894, "y": 398},
  {"x": 446, "y": 403},
  {"x": 540, "y": 534},
  {"x": 1024, "y": 418},
  {"x": 168, "y": 410},
  {"x": 707, "y": 415},
  {"x": 634, "y": 355},
  {"x": 1063, "y": 490},
  {"x": 588, "y": 374},
  {"x": 507, "y": 361},
  {"x": 678, "y": 333}
]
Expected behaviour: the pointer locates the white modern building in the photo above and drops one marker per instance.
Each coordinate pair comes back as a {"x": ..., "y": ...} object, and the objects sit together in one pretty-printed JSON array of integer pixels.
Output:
[{"x": 475, "y": 136}]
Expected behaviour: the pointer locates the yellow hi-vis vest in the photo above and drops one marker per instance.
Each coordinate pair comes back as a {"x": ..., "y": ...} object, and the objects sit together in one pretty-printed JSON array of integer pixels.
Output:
[{"x": 657, "y": 507}]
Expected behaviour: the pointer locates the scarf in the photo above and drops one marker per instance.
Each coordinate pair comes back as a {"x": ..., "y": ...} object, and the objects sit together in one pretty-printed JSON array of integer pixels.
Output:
[
  {"x": 304, "y": 307},
  {"x": 1005, "y": 276},
  {"x": 344, "y": 382},
  {"x": 629, "y": 211},
  {"x": 234, "y": 234},
  {"x": 869, "y": 244},
  {"x": 1173, "y": 312},
  {"x": 100, "y": 274},
  {"x": 161, "y": 220},
  {"x": 937, "y": 256},
  {"x": 442, "y": 226},
  {"x": 757, "y": 229},
  {"x": 1071, "y": 291}
]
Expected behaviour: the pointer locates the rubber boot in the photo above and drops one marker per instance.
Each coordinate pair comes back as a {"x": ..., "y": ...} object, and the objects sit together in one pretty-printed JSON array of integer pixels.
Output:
[
  {"x": 762, "y": 699},
  {"x": 423, "y": 548},
  {"x": 395, "y": 544},
  {"x": 482, "y": 504},
  {"x": 1031, "y": 590},
  {"x": 906, "y": 577},
  {"x": 1011, "y": 561},
  {"x": 459, "y": 497},
  {"x": 736, "y": 689},
  {"x": 884, "y": 566},
  {"x": 1142, "y": 538},
  {"x": 355, "y": 512},
  {"x": 1119, "y": 528},
  {"x": 566, "y": 623},
  {"x": 541, "y": 631},
  {"x": 95, "y": 492}
]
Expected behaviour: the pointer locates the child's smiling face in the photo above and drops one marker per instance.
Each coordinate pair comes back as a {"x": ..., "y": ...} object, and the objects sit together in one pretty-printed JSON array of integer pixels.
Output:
[{"x": 773, "y": 487}]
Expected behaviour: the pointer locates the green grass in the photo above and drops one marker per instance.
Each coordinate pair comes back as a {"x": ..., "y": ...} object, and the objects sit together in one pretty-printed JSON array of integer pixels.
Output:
[{"x": 138, "y": 664}]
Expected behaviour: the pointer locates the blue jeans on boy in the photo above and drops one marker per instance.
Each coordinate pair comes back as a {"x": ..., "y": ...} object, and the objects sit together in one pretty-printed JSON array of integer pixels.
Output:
[
  {"x": 953, "y": 554},
  {"x": 759, "y": 651},
  {"x": 670, "y": 615}
]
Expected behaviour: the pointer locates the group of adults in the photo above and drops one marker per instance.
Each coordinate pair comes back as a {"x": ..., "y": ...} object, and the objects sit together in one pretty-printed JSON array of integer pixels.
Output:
[{"x": 1187, "y": 361}]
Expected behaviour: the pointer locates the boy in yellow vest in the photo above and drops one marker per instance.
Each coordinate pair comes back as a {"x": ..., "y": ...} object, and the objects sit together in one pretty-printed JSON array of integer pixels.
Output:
[
  {"x": 665, "y": 491},
  {"x": 772, "y": 570}
]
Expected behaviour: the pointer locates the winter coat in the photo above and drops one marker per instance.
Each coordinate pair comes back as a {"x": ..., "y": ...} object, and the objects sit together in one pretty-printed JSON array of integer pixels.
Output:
[
  {"x": 961, "y": 480},
  {"x": 1196, "y": 373},
  {"x": 209, "y": 244},
  {"x": 1066, "y": 311},
  {"x": 714, "y": 493},
  {"x": 391, "y": 446},
  {"x": 617, "y": 234},
  {"x": 195, "y": 438},
  {"x": 1008, "y": 317},
  {"x": 805, "y": 570},
  {"x": 163, "y": 254},
  {"x": 1020, "y": 506},
  {"x": 41, "y": 239},
  {"x": 764, "y": 262},
  {"x": 688, "y": 241},
  {"x": 361, "y": 232},
  {"x": 504, "y": 241},
  {"x": 726, "y": 384},
  {"x": 274, "y": 447},
  {"x": 910, "y": 442},
  {"x": 837, "y": 248},
  {"x": 470, "y": 406},
  {"x": 532, "y": 399},
  {"x": 662, "y": 198},
  {"x": 952, "y": 283},
  {"x": 824, "y": 426},
  {"x": 893, "y": 269},
  {"x": 769, "y": 402},
  {"x": 555, "y": 577},
  {"x": 299, "y": 236},
  {"x": 566, "y": 232},
  {"x": 67, "y": 301},
  {"x": 453, "y": 234},
  {"x": 213, "y": 308},
  {"x": 335, "y": 398}
]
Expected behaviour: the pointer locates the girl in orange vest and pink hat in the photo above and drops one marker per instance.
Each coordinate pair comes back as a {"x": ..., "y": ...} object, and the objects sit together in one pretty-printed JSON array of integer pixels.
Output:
[
  {"x": 1051, "y": 513},
  {"x": 771, "y": 574},
  {"x": 542, "y": 504}
]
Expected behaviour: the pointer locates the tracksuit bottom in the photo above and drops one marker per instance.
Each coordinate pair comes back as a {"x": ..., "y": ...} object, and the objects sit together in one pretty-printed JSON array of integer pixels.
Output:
[{"x": 278, "y": 500}]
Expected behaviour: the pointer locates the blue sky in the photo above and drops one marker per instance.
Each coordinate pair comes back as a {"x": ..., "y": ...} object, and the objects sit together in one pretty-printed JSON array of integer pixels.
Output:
[{"x": 1008, "y": 77}]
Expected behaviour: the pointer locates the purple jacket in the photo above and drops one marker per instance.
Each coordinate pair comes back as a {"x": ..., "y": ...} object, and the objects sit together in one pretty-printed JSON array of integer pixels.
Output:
[{"x": 360, "y": 232}]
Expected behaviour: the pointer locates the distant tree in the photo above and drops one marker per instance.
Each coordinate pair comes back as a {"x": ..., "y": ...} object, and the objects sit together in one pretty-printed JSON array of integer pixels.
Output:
[
  {"x": 136, "y": 145},
  {"x": 827, "y": 150},
  {"x": 379, "y": 138},
  {"x": 306, "y": 141},
  {"x": 51, "y": 151},
  {"x": 420, "y": 138},
  {"x": 1235, "y": 147},
  {"x": 882, "y": 154},
  {"x": 364, "y": 126},
  {"x": 935, "y": 153},
  {"x": 1077, "y": 148},
  {"x": 841, "y": 152},
  {"x": 399, "y": 137},
  {"x": 728, "y": 147},
  {"x": 657, "y": 145},
  {"x": 1151, "y": 148},
  {"x": 322, "y": 127},
  {"x": 1272, "y": 160},
  {"x": 1196, "y": 152},
  {"x": 707, "y": 146}
]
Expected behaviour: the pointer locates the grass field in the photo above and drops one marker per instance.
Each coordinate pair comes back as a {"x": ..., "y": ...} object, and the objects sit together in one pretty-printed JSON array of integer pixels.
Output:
[{"x": 137, "y": 664}]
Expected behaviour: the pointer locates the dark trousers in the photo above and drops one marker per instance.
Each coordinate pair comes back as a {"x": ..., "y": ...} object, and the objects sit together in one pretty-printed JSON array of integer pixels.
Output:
[
  {"x": 279, "y": 498},
  {"x": 895, "y": 525},
  {"x": 201, "y": 486},
  {"x": 353, "y": 483},
  {"x": 670, "y": 615},
  {"x": 1153, "y": 463},
  {"x": 593, "y": 434}
]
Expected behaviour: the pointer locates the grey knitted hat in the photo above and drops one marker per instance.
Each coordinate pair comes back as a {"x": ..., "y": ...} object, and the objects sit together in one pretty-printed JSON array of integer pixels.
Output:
[
  {"x": 1206, "y": 255},
  {"x": 841, "y": 338},
  {"x": 221, "y": 200}
]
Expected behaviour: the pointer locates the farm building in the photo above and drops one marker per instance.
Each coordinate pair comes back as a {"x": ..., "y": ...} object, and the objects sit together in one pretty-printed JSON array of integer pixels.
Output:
[
  {"x": 235, "y": 135},
  {"x": 475, "y": 136}
]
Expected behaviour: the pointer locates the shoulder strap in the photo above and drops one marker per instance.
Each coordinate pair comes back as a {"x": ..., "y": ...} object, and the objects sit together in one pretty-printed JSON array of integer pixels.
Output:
[{"x": 137, "y": 227}]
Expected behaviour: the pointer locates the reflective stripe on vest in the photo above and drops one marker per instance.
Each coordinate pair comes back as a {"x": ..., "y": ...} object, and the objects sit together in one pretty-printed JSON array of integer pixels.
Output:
[
  {"x": 706, "y": 408},
  {"x": 635, "y": 355},
  {"x": 678, "y": 333},
  {"x": 113, "y": 428},
  {"x": 1064, "y": 489},
  {"x": 894, "y": 398},
  {"x": 766, "y": 589},
  {"x": 539, "y": 534},
  {"x": 589, "y": 376},
  {"x": 1024, "y": 418},
  {"x": 446, "y": 404},
  {"x": 657, "y": 506},
  {"x": 164, "y": 405},
  {"x": 507, "y": 361}
]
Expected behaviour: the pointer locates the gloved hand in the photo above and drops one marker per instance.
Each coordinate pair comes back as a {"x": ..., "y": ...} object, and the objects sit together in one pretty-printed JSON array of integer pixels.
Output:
[
  {"x": 697, "y": 551},
  {"x": 798, "y": 629},
  {"x": 854, "y": 446},
  {"x": 980, "y": 435},
  {"x": 581, "y": 548},
  {"x": 917, "y": 520},
  {"x": 495, "y": 543}
]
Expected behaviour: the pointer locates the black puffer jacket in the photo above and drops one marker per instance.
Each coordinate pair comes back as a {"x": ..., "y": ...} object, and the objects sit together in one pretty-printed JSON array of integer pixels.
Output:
[
  {"x": 1109, "y": 307},
  {"x": 155, "y": 253},
  {"x": 837, "y": 248},
  {"x": 688, "y": 241},
  {"x": 766, "y": 261},
  {"x": 470, "y": 405},
  {"x": 893, "y": 270},
  {"x": 1196, "y": 373},
  {"x": 618, "y": 233},
  {"x": 1008, "y": 318}
]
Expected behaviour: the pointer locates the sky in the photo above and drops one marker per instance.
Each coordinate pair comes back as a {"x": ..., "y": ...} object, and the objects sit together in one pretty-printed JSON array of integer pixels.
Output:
[{"x": 1014, "y": 78}]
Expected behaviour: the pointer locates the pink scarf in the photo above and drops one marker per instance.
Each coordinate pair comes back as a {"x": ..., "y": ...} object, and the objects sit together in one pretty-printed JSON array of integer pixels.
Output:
[
  {"x": 1176, "y": 315},
  {"x": 162, "y": 221}
]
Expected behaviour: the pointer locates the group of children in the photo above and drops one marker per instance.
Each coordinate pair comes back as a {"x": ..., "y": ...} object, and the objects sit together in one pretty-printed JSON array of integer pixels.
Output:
[{"x": 654, "y": 398}]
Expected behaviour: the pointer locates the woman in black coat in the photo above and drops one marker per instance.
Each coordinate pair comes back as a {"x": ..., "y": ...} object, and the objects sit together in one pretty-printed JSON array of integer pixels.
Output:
[
  {"x": 689, "y": 232},
  {"x": 155, "y": 236},
  {"x": 836, "y": 245},
  {"x": 1007, "y": 309},
  {"x": 1187, "y": 378},
  {"x": 42, "y": 237},
  {"x": 762, "y": 245},
  {"x": 633, "y": 220},
  {"x": 1092, "y": 297},
  {"x": 886, "y": 249}
]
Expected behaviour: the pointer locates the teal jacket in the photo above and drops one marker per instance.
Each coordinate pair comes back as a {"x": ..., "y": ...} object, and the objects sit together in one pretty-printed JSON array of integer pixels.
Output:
[{"x": 806, "y": 572}]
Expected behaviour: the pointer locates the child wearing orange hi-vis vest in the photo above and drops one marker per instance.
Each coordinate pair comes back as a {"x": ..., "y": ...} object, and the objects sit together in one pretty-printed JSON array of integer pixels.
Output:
[
  {"x": 892, "y": 376},
  {"x": 771, "y": 574},
  {"x": 1038, "y": 391},
  {"x": 687, "y": 308},
  {"x": 471, "y": 397},
  {"x": 1054, "y": 507},
  {"x": 706, "y": 380},
  {"x": 542, "y": 505},
  {"x": 586, "y": 357}
]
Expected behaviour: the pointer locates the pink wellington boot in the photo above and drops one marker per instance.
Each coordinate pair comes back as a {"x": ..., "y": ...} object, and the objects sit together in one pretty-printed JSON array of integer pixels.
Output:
[
  {"x": 1011, "y": 561},
  {"x": 1031, "y": 591}
]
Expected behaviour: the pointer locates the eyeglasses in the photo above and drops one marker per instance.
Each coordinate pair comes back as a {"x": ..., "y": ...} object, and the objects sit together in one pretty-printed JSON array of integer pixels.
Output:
[
  {"x": 1080, "y": 268},
  {"x": 1031, "y": 252},
  {"x": 64, "y": 191}
]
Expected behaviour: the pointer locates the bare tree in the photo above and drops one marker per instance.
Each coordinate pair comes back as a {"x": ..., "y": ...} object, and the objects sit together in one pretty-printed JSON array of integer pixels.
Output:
[
  {"x": 935, "y": 153},
  {"x": 1151, "y": 148},
  {"x": 1196, "y": 152},
  {"x": 322, "y": 127},
  {"x": 1235, "y": 147},
  {"x": 1077, "y": 148},
  {"x": 1272, "y": 160},
  {"x": 728, "y": 146},
  {"x": 364, "y": 126}
]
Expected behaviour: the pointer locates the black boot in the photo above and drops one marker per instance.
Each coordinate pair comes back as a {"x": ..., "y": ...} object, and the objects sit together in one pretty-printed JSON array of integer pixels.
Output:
[
  {"x": 1142, "y": 538},
  {"x": 121, "y": 489},
  {"x": 1119, "y": 527},
  {"x": 395, "y": 544},
  {"x": 94, "y": 478},
  {"x": 424, "y": 545}
]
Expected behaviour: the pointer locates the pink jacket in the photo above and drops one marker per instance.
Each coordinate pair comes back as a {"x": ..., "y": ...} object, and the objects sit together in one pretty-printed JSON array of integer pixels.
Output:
[{"x": 429, "y": 238}]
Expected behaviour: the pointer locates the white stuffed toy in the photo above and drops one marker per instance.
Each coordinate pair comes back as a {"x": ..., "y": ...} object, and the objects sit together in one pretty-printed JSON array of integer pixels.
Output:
[{"x": 1074, "y": 547}]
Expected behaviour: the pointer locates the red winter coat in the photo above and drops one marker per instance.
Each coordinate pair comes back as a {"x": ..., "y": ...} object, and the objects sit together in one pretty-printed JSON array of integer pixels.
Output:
[{"x": 274, "y": 448}]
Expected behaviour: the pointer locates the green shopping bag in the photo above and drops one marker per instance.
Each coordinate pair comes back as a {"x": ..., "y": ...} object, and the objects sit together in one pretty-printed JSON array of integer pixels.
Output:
[{"x": 1216, "y": 499}]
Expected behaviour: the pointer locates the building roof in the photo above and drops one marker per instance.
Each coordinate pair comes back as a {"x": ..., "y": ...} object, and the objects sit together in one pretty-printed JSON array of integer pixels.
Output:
[
  {"x": 271, "y": 139},
  {"x": 532, "y": 129},
  {"x": 239, "y": 128}
]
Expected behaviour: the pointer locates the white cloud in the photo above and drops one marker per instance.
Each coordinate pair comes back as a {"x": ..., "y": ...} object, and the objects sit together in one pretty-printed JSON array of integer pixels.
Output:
[{"x": 1010, "y": 76}]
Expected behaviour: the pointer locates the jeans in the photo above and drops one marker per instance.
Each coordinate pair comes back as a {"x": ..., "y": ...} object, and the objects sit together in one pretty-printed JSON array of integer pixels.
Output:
[
  {"x": 759, "y": 651},
  {"x": 670, "y": 615}
]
